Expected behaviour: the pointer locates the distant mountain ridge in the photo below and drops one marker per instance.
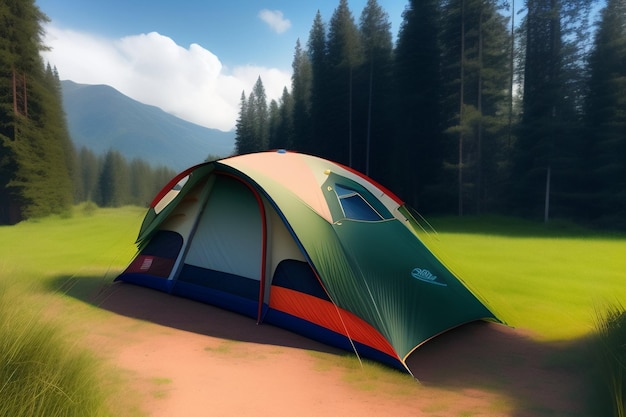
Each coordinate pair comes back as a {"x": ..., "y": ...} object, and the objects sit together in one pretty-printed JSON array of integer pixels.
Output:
[{"x": 101, "y": 118}]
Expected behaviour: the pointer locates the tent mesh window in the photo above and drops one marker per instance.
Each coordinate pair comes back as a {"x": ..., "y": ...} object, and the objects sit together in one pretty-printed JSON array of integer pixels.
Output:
[{"x": 354, "y": 206}]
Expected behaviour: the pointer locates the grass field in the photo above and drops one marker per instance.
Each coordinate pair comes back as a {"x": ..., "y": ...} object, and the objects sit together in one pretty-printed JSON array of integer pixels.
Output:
[
  {"x": 553, "y": 280},
  {"x": 43, "y": 370}
]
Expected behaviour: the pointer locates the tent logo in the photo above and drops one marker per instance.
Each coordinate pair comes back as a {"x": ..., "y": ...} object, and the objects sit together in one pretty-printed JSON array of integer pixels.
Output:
[
  {"x": 146, "y": 264},
  {"x": 426, "y": 276}
]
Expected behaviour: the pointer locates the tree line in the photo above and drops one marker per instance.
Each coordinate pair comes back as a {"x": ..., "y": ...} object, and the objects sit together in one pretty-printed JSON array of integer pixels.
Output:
[
  {"x": 468, "y": 111},
  {"x": 110, "y": 180},
  {"x": 40, "y": 171}
]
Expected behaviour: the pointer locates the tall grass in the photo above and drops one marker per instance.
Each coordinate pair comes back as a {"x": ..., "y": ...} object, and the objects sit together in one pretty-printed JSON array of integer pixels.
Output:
[
  {"x": 611, "y": 342},
  {"x": 44, "y": 368},
  {"x": 42, "y": 373}
]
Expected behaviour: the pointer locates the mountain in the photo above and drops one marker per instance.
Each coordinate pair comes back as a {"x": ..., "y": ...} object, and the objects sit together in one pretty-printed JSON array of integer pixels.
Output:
[{"x": 101, "y": 118}]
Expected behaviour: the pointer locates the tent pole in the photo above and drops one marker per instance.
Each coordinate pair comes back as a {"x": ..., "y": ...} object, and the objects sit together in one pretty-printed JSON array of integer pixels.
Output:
[
  {"x": 343, "y": 323},
  {"x": 259, "y": 318},
  {"x": 345, "y": 328}
]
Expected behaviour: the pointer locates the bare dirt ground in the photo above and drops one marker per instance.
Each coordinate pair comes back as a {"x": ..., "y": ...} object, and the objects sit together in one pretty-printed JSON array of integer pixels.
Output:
[{"x": 187, "y": 359}]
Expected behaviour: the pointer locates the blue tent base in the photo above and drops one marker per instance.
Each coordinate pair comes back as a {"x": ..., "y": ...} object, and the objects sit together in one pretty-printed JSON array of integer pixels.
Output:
[
  {"x": 150, "y": 281},
  {"x": 217, "y": 298}
]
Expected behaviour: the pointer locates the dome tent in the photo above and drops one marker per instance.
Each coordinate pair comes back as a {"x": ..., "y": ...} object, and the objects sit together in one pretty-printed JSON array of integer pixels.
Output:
[{"x": 304, "y": 244}]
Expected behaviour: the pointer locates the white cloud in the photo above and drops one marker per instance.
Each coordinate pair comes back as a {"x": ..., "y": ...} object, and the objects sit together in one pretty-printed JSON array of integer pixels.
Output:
[
  {"x": 190, "y": 83},
  {"x": 275, "y": 20}
]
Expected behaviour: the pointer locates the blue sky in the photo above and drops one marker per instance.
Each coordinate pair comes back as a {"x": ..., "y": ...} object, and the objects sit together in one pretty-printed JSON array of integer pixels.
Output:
[{"x": 192, "y": 58}]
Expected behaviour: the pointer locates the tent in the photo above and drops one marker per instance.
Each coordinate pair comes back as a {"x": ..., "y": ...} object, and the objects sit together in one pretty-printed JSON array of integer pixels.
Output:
[{"x": 305, "y": 244}]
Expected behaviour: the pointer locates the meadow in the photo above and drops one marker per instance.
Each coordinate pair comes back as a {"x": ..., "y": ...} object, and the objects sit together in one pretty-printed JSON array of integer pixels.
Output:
[
  {"x": 44, "y": 368},
  {"x": 559, "y": 281},
  {"x": 550, "y": 278}
]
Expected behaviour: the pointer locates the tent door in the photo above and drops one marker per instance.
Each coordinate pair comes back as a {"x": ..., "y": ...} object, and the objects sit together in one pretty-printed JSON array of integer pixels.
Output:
[{"x": 226, "y": 255}]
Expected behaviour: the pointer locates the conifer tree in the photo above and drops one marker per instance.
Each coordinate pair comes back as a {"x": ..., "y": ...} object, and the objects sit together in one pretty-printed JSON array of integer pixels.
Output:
[
  {"x": 475, "y": 57},
  {"x": 344, "y": 56},
  {"x": 253, "y": 125},
  {"x": 113, "y": 185},
  {"x": 604, "y": 161},
  {"x": 86, "y": 179},
  {"x": 244, "y": 139},
  {"x": 374, "y": 89},
  {"x": 260, "y": 113},
  {"x": 548, "y": 140},
  {"x": 274, "y": 139},
  {"x": 321, "y": 95},
  {"x": 417, "y": 77},
  {"x": 284, "y": 129},
  {"x": 142, "y": 183},
  {"x": 301, "y": 80},
  {"x": 35, "y": 150}
]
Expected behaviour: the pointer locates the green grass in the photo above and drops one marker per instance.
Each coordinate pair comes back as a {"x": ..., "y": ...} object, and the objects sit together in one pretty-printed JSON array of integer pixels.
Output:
[
  {"x": 611, "y": 349},
  {"x": 44, "y": 370},
  {"x": 41, "y": 373},
  {"x": 550, "y": 279},
  {"x": 55, "y": 246},
  {"x": 367, "y": 375}
]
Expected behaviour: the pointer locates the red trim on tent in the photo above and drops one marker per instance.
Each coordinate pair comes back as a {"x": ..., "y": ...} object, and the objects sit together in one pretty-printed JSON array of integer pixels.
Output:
[
  {"x": 376, "y": 184},
  {"x": 263, "y": 252},
  {"x": 324, "y": 313},
  {"x": 171, "y": 184}
]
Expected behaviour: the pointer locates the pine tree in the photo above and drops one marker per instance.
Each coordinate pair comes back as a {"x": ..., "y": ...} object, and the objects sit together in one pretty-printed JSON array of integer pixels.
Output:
[
  {"x": 283, "y": 137},
  {"x": 274, "y": 139},
  {"x": 253, "y": 125},
  {"x": 321, "y": 94},
  {"x": 244, "y": 139},
  {"x": 61, "y": 158},
  {"x": 372, "y": 154},
  {"x": 301, "y": 80},
  {"x": 418, "y": 143},
  {"x": 86, "y": 179},
  {"x": 142, "y": 185},
  {"x": 35, "y": 151},
  {"x": 113, "y": 185},
  {"x": 548, "y": 138},
  {"x": 344, "y": 56},
  {"x": 261, "y": 117},
  {"x": 604, "y": 161},
  {"x": 476, "y": 71}
]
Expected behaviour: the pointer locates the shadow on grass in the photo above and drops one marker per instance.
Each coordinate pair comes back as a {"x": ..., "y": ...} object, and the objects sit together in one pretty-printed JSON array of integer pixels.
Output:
[{"x": 537, "y": 379}]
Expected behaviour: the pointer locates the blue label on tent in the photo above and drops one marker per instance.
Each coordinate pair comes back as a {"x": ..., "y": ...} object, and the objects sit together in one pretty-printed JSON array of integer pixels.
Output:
[{"x": 426, "y": 276}]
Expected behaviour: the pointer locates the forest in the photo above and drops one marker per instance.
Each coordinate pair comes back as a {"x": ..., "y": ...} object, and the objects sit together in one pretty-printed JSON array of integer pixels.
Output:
[
  {"x": 41, "y": 172},
  {"x": 473, "y": 109},
  {"x": 478, "y": 106}
]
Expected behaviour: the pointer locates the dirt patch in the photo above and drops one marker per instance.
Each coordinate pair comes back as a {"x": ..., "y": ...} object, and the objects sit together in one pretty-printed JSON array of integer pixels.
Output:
[{"x": 190, "y": 359}]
